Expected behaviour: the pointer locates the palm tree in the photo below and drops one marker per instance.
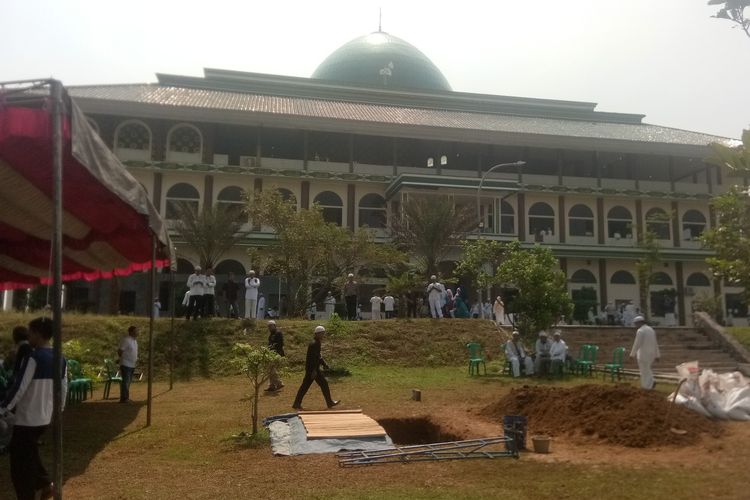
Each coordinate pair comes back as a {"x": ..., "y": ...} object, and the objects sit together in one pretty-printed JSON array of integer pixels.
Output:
[
  {"x": 429, "y": 227},
  {"x": 211, "y": 232}
]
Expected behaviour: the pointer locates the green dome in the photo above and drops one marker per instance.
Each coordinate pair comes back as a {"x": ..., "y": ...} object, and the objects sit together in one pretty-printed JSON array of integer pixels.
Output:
[{"x": 381, "y": 60}]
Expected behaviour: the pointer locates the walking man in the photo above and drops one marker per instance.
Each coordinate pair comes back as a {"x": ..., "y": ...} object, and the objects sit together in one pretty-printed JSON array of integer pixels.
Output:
[
  {"x": 32, "y": 397},
  {"x": 313, "y": 362},
  {"x": 276, "y": 344},
  {"x": 646, "y": 351},
  {"x": 196, "y": 284},
  {"x": 251, "y": 295},
  {"x": 128, "y": 353},
  {"x": 435, "y": 293},
  {"x": 350, "y": 297}
]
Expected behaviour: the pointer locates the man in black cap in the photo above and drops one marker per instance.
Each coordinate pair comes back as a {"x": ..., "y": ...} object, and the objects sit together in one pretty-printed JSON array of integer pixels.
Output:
[{"x": 313, "y": 363}]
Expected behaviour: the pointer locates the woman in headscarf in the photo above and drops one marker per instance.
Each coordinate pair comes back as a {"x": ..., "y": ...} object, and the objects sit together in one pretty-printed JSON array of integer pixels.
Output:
[{"x": 460, "y": 310}]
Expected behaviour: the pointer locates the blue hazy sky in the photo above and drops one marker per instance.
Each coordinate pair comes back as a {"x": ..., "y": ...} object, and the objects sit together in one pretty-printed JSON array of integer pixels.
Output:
[{"x": 667, "y": 59}]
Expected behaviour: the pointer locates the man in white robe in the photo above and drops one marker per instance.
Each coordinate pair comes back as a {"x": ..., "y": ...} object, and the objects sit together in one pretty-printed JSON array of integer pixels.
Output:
[
  {"x": 646, "y": 351},
  {"x": 252, "y": 284},
  {"x": 516, "y": 354},
  {"x": 435, "y": 291}
]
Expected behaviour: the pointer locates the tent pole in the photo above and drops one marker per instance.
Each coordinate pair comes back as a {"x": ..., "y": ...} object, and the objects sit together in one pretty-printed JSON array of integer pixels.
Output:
[
  {"x": 152, "y": 295},
  {"x": 171, "y": 329},
  {"x": 56, "y": 90}
]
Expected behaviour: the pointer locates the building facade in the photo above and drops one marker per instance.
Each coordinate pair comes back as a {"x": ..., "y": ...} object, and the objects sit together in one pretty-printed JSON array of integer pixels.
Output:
[{"x": 377, "y": 124}]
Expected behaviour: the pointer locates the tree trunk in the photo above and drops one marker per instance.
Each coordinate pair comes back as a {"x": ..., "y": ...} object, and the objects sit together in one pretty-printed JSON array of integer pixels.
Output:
[{"x": 255, "y": 409}]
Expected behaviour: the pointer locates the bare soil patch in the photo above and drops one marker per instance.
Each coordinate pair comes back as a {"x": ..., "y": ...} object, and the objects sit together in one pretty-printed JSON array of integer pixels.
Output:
[
  {"x": 417, "y": 430},
  {"x": 621, "y": 415}
]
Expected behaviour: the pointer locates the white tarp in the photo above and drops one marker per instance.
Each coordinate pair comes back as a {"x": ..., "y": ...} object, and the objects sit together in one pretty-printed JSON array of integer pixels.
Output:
[{"x": 718, "y": 395}]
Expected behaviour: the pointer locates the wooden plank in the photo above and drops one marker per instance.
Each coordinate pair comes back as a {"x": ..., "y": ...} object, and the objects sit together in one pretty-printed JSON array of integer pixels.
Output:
[
  {"x": 340, "y": 424},
  {"x": 327, "y": 412}
]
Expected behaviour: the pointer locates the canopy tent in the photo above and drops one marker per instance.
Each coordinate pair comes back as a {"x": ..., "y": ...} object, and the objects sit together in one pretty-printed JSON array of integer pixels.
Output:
[{"x": 69, "y": 210}]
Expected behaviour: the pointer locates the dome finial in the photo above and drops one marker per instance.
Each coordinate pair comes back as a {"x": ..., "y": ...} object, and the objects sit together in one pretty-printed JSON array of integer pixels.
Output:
[{"x": 380, "y": 19}]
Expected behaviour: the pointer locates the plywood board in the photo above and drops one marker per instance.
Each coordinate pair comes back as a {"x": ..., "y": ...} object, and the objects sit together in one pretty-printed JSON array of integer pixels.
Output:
[{"x": 340, "y": 425}]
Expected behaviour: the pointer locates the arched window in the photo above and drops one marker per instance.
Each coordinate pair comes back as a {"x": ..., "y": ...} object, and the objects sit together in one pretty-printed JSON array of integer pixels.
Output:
[
  {"x": 660, "y": 279},
  {"x": 698, "y": 279},
  {"x": 657, "y": 221},
  {"x": 622, "y": 278},
  {"x": 693, "y": 225},
  {"x": 181, "y": 195},
  {"x": 230, "y": 266},
  {"x": 507, "y": 218},
  {"x": 372, "y": 211},
  {"x": 583, "y": 276},
  {"x": 184, "y": 144},
  {"x": 184, "y": 266},
  {"x": 232, "y": 198},
  {"x": 133, "y": 141},
  {"x": 443, "y": 160},
  {"x": 619, "y": 223},
  {"x": 580, "y": 221},
  {"x": 287, "y": 196},
  {"x": 541, "y": 219},
  {"x": 332, "y": 206}
]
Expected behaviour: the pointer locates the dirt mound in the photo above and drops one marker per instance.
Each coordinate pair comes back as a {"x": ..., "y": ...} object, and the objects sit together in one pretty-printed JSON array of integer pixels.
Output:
[{"x": 620, "y": 414}]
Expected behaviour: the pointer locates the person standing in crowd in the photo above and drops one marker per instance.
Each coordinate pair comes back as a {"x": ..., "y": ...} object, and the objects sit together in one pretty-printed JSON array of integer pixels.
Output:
[
  {"x": 476, "y": 310},
  {"x": 230, "y": 291},
  {"x": 611, "y": 311},
  {"x": 388, "y": 304},
  {"x": 375, "y": 302},
  {"x": 448, "y": 302},
  {"x": 261, "y": 306},
  {"x": 435, "y": 292},
  {"x": 128, "y": 353},
  {"x": 516, "y": 354},
  {"x": 313, "y": 362},
  {"x": 350, "y": 297},
  {"x": 252, "y": 284},
  {"x": 542, "y": 348},
  {"x": 209, "y": 294},
  {"x": 275, "y": 344},
  {"x": 31, "y": 395},
  {"x": 558, "y": 352},
  {"x": 313, "y": 311},
  {"x": 23, "y": 350},
  {"x": 196, "y": 284},
  {"x": 498, "y": 309},
  {"x": 487, "y": 310},
  {"x": 157, "y": 308},
  {"x": 330, "y": 305},
  {"x": 645, "y": 351}
]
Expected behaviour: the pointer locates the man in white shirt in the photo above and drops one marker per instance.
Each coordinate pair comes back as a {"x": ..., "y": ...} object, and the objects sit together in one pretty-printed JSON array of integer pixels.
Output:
[
  {"x": 261, "y": 306},
  {"x": 558, "y": 352},
  {"x": 251, "y": 295},
  {"x": 388, "y": 304},
  {"x": 435, "y": 292},
  {"x": 196, "y": 283},
  {"x": 209, "y": 294},
  {"x": 375, "y": 301},
  {"x": 31, "y": 395},
  {"x": 516, "y": 354},
  {"x": 646, "y": 351},
  {"x": 128, "y": 353}
]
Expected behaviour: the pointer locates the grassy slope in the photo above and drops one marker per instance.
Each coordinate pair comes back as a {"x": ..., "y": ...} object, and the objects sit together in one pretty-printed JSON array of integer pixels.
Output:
[
  {"x": 203, "y": 348},
  {"x": 742, "y": 334}
]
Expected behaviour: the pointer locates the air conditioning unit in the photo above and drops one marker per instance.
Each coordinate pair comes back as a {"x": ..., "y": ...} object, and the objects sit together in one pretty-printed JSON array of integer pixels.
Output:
[
  {"x": 221, "y": 160},
  {"x": 247, "y": 161},
  {"x": 689, "y": 291}
]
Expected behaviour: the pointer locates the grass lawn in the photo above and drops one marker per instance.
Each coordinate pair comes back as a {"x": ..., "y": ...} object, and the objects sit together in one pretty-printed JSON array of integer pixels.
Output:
[
  {"x": 187, "y": 452},
  {"x": 742, "y": 334}
]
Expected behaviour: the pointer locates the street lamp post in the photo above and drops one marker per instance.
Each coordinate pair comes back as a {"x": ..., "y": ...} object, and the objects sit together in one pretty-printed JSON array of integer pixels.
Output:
[{"x": 480, "y": 221}]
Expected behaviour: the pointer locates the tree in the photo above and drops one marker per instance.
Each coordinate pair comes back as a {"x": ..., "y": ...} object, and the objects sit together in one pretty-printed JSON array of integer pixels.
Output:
[
  {"x": 479, "y": 260},
  {"x": 542, "y": 298},
  {"x": 256, "y": 363},
  {"x": 407, "y": 285},
  {"x": 211, "y": 232},
  {"x": 307, "y": 248},
  {"x": 645, "y": 268},
  {"x": 733, "y": 10},
  {"x": 429, "y": 227}
]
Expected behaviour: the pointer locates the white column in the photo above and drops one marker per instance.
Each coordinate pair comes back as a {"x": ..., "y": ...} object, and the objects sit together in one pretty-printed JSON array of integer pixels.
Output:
[{"x": 7, "y": 300}]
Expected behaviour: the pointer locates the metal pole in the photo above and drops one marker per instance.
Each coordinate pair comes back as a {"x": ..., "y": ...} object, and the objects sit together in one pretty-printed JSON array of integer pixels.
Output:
[
  {"x": 480, "y": 222},
  {"x": 57, "y": 360},
  {"x": 171, "y": 329},
  {"x": 152, "y": 294}
]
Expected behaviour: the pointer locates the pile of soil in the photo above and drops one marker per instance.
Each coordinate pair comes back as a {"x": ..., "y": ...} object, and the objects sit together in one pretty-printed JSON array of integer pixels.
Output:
[{"x": 621, "y": 414}]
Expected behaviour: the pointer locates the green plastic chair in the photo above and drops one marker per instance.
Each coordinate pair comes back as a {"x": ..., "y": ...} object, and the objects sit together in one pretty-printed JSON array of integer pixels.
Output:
[
  {"x": 110, "y": 373},
  {"x": 83, "y": 385},
  {"x": 583, "y": 354},
  {"x": 476, "y": 357},
  {"x": 615, "y": 367},
  {"x": 587, "y": 363}
]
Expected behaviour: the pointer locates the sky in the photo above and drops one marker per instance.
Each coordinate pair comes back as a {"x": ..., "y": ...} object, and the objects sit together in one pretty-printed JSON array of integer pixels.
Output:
[{"x": 667, "y": 59}]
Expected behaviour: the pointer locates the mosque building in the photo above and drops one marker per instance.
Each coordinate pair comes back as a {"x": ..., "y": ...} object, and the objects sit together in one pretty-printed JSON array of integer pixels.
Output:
[{"x": 378, "y": 123}]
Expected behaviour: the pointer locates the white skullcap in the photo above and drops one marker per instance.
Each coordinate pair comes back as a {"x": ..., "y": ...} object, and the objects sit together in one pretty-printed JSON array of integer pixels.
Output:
[
  {"x": 271, "y": 322},
  {"x": 433, "y": 277},
  {"x": 319, "y": 329},
  {"x": 639, "y": 319},
  {"x": 251, "y": 272},
  {"x": 516, "y": 332},
  {"x": 350, "y": 275},
  {"x": 557, "y": 333},
  {"x": 542, "y": 333}
]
